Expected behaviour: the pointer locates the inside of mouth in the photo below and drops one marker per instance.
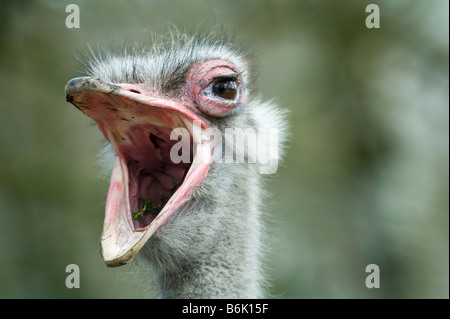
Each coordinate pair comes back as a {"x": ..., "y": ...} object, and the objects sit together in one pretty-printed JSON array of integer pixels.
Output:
[{"x": 153, "y": 176}]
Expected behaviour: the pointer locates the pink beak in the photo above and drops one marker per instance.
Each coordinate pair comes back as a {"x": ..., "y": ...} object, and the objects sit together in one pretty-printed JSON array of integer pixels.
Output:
[{"x": 138, "y": 125}]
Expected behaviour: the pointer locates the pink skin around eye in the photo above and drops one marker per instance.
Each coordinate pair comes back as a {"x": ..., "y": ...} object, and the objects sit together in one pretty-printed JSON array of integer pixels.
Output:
[{"x": 201, "y": 76}]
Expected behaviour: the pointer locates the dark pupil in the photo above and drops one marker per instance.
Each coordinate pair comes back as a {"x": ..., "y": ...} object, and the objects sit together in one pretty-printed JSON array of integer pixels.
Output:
[{"x": 225, "y": 88}]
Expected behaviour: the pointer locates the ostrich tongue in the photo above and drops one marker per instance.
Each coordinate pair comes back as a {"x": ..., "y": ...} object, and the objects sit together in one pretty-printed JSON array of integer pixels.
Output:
[{"x": 146, "y": 186}]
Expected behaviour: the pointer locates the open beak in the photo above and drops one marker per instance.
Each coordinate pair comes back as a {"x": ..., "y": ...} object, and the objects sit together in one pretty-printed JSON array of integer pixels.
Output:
[{"x": 147, "y": 186}]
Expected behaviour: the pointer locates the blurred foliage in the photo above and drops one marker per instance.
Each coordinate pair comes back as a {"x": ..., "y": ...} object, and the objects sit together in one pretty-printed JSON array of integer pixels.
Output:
[{"x": 366, "y": 175}]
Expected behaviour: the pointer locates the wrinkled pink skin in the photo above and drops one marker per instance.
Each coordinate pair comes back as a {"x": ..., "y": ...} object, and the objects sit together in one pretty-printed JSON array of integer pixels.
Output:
[{"x": 151, "y": 177}]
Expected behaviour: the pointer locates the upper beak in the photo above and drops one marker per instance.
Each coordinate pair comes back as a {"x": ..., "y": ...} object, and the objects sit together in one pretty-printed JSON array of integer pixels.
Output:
[{"x": 117, "y": 108}]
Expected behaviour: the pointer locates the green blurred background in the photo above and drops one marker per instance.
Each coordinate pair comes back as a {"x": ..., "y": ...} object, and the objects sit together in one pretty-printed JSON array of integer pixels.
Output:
[{"x": 365, "y": 179}]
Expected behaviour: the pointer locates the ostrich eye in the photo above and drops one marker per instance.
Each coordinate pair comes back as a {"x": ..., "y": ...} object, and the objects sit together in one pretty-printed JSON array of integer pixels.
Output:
[
  {"x": 215, "y": 87},
  {"x": 225, "y": 88}
]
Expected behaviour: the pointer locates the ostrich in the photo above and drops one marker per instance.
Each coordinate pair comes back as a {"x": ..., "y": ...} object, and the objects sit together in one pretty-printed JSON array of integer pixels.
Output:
[{"x": 196, "y": 223}]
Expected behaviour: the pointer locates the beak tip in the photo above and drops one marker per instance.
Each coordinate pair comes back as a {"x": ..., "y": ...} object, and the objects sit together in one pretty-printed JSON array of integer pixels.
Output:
[
  {"x": 75, "y": 81},
  {"x": 72, "y": 87},
  {"x": 88, "y": 84},
  {"x": 117, "y": 262}
]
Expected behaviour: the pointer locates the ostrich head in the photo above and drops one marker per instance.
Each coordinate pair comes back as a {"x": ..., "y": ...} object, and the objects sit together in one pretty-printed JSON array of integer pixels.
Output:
[{"x": 172, "y": 197}]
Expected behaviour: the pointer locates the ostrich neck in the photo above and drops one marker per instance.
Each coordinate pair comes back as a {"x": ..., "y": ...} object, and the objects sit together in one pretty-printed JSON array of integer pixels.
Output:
[{"x": 213, "y": 251}]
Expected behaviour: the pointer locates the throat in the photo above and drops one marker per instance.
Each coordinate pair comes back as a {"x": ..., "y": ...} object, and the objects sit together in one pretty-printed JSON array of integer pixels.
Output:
[
  {"x": 150, "y": 190},
  {"x": 153, "y": 176}
]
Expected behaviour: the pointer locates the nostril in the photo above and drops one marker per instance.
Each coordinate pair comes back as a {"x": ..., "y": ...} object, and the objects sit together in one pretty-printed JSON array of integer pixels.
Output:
[{"x": 131, "y": 88}]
